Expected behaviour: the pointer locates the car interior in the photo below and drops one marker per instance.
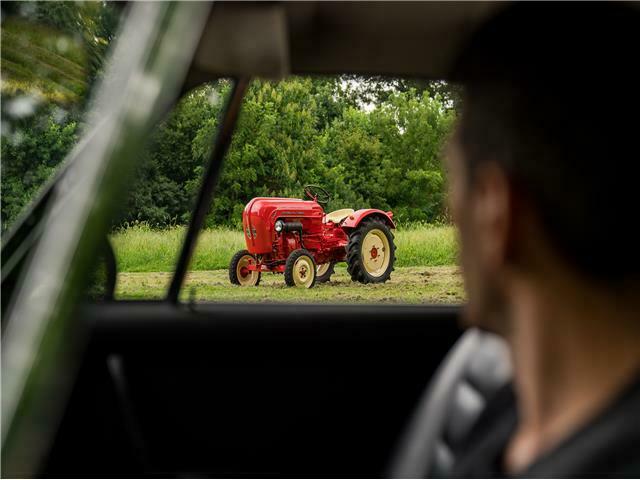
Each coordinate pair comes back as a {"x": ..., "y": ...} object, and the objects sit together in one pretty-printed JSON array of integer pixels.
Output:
[{"x": 186, "y": 389}]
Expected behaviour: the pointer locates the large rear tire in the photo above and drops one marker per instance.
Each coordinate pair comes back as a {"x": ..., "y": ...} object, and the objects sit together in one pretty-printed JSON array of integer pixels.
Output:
[
  {"x": 300, "y": 269},
  {"x": 371, "y": 252},
  {"x": 238, "y": 272}
]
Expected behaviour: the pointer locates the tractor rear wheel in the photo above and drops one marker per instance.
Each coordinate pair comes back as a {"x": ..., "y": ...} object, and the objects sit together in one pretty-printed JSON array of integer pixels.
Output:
[
  {"x": 300, "y": 269},
  {"x": 371, "y": 252},
  {"x": 324, "y": 272},
  {"x": 239, "y": 274}
]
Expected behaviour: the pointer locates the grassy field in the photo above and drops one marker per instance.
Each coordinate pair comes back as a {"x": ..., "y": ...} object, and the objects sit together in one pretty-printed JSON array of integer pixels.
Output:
[
  {"x": 407, "y": 285},
  {"x": 140, "y": 249},
  {"x": 425, "y": 270}
]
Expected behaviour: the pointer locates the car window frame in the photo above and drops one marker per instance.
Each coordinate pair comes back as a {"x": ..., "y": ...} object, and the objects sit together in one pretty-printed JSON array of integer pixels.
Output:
[{"x": 40, "y": 343}]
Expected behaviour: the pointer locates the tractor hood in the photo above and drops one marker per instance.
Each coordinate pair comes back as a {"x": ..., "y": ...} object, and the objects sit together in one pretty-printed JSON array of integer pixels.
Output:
[{"x": 261, "y": 213}]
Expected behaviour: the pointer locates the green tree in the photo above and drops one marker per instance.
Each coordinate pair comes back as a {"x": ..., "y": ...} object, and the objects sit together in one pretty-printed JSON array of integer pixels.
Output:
[
  {"x": 412, "y": 128},
  {"x": 296, "y": 132},
  {"x": 274, "y": 149},
  {"x": 166, "y": 179},
  {"x": 29, "y": 158},
  {"x": 389, "y": 157},
  {"x": 52, "y": 53}
]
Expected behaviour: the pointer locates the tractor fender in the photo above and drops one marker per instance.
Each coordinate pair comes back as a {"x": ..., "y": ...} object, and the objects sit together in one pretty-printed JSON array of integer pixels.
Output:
[{"x": 353, "y": 220}]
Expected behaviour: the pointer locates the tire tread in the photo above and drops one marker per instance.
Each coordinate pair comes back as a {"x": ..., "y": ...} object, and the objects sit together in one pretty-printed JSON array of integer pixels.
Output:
[
  {"x": 233, "y": 274},
  {"x": 354, "y": 260},
  {"x": 291, "y": 260}
]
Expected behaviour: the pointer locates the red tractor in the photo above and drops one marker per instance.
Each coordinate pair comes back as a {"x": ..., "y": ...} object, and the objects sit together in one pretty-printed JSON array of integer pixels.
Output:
[{"x": 296, "y": 237}]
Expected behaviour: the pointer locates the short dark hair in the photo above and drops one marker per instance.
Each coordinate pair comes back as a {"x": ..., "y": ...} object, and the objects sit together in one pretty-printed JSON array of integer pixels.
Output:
[{"x": 552, "y": 95}]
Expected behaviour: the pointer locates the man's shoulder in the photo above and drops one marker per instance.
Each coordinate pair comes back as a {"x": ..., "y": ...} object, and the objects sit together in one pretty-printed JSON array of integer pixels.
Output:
[{"x": 607, "y": 446}]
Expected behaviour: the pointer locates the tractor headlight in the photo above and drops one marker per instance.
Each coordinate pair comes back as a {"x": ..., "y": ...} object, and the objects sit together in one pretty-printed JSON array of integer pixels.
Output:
[{"x": 279, "y": 226}]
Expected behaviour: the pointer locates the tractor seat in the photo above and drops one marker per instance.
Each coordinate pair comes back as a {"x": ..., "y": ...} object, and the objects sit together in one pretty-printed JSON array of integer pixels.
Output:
[{"x": 338, "y": 215}]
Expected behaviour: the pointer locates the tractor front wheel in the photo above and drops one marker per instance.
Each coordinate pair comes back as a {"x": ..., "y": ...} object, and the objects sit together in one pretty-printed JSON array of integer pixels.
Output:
[
  {"x": 300, "y": 269},
  {"x": 324, "y": 272},
  {"x": 239, "y": 274},
  {"x": 371, "y": 252}
]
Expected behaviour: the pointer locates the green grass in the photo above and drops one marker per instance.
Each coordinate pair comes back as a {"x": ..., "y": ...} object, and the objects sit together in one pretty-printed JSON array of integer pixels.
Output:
[
  {"x": 407, "y": 285},
  {"x": 140, "y": 249},
  {"x": 425, "y": 270}
]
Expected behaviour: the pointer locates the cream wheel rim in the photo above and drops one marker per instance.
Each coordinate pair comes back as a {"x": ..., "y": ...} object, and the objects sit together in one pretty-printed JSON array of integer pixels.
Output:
[
  {"x": 376, "y": 252},
  {"x": 323, "y": 268},
  {"x": 303, "y": 272},
  {"x": 246, "y": 277}
]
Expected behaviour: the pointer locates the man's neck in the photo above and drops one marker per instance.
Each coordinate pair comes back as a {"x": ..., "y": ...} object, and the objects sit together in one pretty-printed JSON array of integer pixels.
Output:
[{"x": 573, "y": 351}]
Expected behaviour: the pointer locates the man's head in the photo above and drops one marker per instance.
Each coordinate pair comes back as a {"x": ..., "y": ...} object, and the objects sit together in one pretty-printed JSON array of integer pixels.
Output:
[{"x": 544, "y": 162}]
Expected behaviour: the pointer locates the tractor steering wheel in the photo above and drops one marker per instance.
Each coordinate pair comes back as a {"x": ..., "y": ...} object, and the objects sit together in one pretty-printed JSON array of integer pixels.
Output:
[{"x": 317, "y": 193}]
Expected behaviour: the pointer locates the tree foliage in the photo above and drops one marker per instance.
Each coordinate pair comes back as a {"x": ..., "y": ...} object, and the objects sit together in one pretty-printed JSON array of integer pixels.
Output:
[
  {"x": 291, "y": 133},
  {"x": 52, "y": 54},
  {"x": 54, "y": 51},
  {"x": 29, "y": 158},
  {"x": 371, "y": 141}
]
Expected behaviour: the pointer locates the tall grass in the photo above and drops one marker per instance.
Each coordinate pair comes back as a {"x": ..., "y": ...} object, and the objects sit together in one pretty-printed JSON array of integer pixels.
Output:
[
  {"x": 426, "y": 246},
  {"x": 141, "y": 249}
]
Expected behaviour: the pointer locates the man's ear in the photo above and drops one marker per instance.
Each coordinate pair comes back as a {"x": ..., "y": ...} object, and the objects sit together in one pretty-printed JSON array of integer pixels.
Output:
[{"x": 492, "y": 204}]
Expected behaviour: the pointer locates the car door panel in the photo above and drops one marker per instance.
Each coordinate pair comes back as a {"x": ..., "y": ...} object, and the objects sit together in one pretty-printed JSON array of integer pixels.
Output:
[{"x": 249, "y": 390}]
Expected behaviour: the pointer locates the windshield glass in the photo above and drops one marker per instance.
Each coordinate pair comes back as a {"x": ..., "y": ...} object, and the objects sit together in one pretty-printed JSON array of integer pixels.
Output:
[
  {"x": 53, "y": 53},
  {"x": 366, "y": 143}
]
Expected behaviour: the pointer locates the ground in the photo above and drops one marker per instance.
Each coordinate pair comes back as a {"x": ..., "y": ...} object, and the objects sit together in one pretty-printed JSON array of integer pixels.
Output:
[
  {"x": 441, "y": 284},
  {"x": 425, "y": 269}
]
